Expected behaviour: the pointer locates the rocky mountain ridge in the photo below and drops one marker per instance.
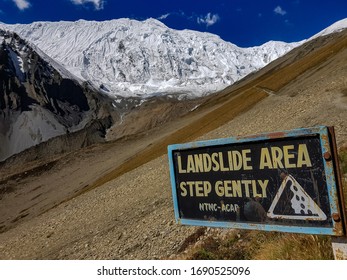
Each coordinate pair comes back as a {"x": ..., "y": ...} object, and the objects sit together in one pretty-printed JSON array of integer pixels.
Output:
[{"x": 36, "y": 102}]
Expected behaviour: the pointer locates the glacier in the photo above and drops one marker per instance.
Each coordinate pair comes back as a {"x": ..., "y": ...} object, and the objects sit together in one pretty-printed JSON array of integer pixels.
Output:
[{"x": 130, "y": 58}]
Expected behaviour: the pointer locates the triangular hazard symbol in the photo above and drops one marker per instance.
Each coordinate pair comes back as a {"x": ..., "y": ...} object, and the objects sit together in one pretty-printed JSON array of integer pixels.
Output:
[{"x": 302, "y": 205}]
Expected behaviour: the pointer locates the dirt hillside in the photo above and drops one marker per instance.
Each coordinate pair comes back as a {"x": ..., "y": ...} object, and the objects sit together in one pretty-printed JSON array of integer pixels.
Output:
[{"x": 116, "y": 197}]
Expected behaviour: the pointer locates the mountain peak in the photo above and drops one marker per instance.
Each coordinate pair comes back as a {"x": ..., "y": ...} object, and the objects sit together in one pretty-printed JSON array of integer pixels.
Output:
[
  {"x": 335, "y": 27},
  {"x": 126, "y": 57},
  {"x": 154, "y": 21}
]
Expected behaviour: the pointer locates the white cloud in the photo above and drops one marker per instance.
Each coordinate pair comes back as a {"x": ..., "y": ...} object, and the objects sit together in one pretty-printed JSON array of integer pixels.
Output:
[
  {"x": 98, "y": 4},
  {"x": 209, "y": 19},
  {"x": 278, "y": 10},
  {"x": 164, "y": 16},
  {"x": 22, "y": 4}
]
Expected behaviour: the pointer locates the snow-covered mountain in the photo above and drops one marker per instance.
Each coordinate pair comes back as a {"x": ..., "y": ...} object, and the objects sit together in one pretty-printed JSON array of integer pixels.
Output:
[
  {"x": 42, "y": 89},
  {"x": 126, "y": 57}
]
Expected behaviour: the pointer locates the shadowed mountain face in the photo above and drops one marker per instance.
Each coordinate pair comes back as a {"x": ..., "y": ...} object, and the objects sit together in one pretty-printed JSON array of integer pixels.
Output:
[
  {"x": 27, "y": 79},
  {"x": 36, "y": 102}
]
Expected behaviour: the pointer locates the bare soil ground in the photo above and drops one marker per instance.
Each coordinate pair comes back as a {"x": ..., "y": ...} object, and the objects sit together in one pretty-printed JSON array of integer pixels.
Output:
[{"x": 113, "y": 201}]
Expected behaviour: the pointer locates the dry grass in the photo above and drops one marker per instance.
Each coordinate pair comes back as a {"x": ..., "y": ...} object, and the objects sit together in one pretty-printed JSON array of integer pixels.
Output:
[
  {"x": 297, "y": 247},
  {"x": 259, "y": 245}
]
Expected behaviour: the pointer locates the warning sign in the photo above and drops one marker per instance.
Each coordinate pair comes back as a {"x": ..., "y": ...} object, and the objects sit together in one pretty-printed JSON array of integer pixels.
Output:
[
  {"x": 303, "y": 207},
  {"x": 278, "y": 181}
]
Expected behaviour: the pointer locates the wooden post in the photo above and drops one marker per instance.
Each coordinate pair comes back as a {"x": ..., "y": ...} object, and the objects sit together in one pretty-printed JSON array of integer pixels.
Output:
[{"x": 339, "y": 245}]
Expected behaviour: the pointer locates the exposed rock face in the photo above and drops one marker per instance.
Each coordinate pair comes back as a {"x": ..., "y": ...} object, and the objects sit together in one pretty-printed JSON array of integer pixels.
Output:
[{"x": 36, "y": 102}]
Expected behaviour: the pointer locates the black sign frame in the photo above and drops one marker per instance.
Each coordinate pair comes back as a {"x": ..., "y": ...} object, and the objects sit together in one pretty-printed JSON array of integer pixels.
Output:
[{"x": 284, "y": 181}]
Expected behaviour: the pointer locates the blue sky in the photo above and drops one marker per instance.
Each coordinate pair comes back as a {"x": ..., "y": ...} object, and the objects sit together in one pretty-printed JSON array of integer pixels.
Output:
[{"x": 243, "y": 22}]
